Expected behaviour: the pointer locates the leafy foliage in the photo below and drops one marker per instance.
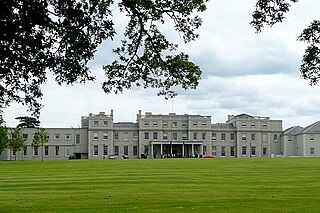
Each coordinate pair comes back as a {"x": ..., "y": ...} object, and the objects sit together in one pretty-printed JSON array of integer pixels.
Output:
[
  {"x": 61, "y": 37},
  {"x": 40, "y": 137},
  {"x": 270, "y": 12},
  {"x": 3, "y": 136},
  {"x": 28, "y": 122},
  {"x": 16, "y": 141}
]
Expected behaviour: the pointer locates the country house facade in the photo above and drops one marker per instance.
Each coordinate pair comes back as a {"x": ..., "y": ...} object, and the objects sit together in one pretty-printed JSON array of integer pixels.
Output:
[{"x": 172, "y": 135}]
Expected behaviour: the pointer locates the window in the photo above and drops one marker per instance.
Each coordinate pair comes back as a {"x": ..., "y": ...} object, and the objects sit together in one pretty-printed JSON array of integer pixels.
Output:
[
  {"x": 223, "y": 136},
  {"x": 95, "y": 150},
  {"x": 146, "y": 135},
  {"x": 46, "y": 150},
  {"x": 116, "y": 136},
  {"x": 204, "y": 123},
  {"x": 174, "y": 124},
  {"x": 135, "y": 136},
  {"x": 244, "y": 137},
  {"x": 135, "y": 150},
  {"x": 223, "y": 151},
  {"x": 25, "y": 136},
  {"x": 85, "y": 123},
  {"x": 195, "y": 123},
  {"x": 116, "y": 150},
  {"x": 67, "y": 151},
  {"x": 78, "y": 139},
  {"x": 155, "y": 123},
  {"x": 25, "y": 150},
  {"x": 214, "y": 150},
  {"x": 264, "y": 137},
  {"x": 232, "y": 136},
  {"x": 264, "y": 151},
  {"x": 105, "y": 149},
  {"x": 184, "y": 124},
  {"x": 35, "y": 151},
  {"x": 204, "y": 151},
  {"x": 146, "y": 123},
  {"x": 311, "y": 151},
  {"x": 195, "y": 136},
  {"x": 264, "y": 125},
  {"x": 67, "y": 137},
  {"x": 56, "y": 137},
  {"x": 174, "y": 136},
  {"x": 290, "y": 138},
  {"x": 184, "y": 136},
  {"x": 125, "y": 150},
  {"x": 105, "y": 123},
  {"x": 253, "y": 151},
  {"x": 105, "y": 136},
  {"x": 253, "y": 136},
  {"x": 232, "y": 151},
  {"x": 275, "y": 137},
  {"x": 125, "y": 136},
  {"x": 56, "y": 150},
  {"x": 95, "y": 136},
  {"x": 244, "y": 125},
  {"x": 311, "y": 138},
  {"x": 244, "y": 151},
  {"x": 13, "y": 152},
  {"x": 253, "y": 125},
  {"x": 155, "y": 136},
  {"x": 214, "y": 136},
  {"x": 165, "y": 136},
  {"x": 95, "y": 123},
  {"x": 165, "y": 124},
  {"x": 146, "y": 149},
  {"x": 203, "y": 136}
]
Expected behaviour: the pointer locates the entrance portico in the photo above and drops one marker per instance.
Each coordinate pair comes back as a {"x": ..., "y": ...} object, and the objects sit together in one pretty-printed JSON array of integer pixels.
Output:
[{"x": 160, "y": 149}]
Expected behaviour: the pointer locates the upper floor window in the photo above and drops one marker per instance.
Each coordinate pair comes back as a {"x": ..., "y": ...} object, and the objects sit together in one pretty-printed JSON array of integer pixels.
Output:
[
  {"x": 116, "y": 135},
  {"x": 165, "y": 136},
  {"x": 174, "y": 124},
  {"x": 253, "y": 136},
  {"x": 184, "y": 124},
  {"x": 125, "y": 136},
  {"x": 155, "y": 123},
  {"x": 95, "y": 136},
  {"x": 105, "y": 123},
  {"x": 275, "y": 137},
  {"x": 165, "y": 124},
  {"x": 264, "y": 137},
  {"x": 204, "y": 123},
  {"x": 232, "y": 136},
  {"x": 135, "y": 136},
  {"x": 214, "y": 136},
  {"x": 311, "y": 137},
  {"x": 253, "y": 125},
  {"x": 195, "y": 123},
  {"x": 95, "y": 123},
  {"x": 105, "y": 136},
  {"x": 244, "y": 124},
  {"x": 289, "y": 138},
  {"x": 25, "y": 136},
  {"x": 146, "y": 135},
  {"x": 184, "y": 136},
  {"x": 203, "y": 136},
  {"x": 223, "y": 136},
  {"x": 244, "y": 137},
  {"x": 67, "y": 137},
  {"x": 146, "y": 123},
  {"x": 56, "y": 136},
  {"x": 78, "y": 139},
  {"x": 264, "y": 125},
  {"x": 195, "y": 136},
  {"x": 174, "y": 136},
  {"x": 155, "y": 135}
]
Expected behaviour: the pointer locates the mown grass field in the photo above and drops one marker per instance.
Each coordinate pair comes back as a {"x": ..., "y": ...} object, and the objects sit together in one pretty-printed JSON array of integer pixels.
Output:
[{"x": 161, "y": 185}]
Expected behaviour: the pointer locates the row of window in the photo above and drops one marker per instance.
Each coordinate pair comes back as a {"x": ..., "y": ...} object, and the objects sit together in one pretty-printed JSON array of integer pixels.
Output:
[
  {"x": 115, "y": 150},
  {"x": 253, "y": 125},
  {"x": 174, "y": 136},
  {"x": 232, "y": 151},
  {"x": 244, "y": 137},
  {"x": 57, "y": 136},
  {"x": 173, "y": 123},
  {"x": 35, "y": 150}
]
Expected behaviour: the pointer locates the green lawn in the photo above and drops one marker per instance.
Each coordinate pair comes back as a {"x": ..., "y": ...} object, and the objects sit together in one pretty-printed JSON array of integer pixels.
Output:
[{"x": 161, "y": 185}]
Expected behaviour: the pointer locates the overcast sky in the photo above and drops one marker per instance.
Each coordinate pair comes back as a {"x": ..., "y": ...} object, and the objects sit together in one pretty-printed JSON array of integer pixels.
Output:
[{"x": 243, "y": 72}]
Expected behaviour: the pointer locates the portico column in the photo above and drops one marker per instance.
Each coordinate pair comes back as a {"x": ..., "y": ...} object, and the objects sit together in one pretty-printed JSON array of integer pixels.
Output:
[
  {"x": 192, "y": 149},
  {"x": 171, "y": 149},
  {"x": 183, "y": 149},
  {"x": 201, "y": 149},
  {"x": 151, "y": 150},
  {"x": 161, "y": 150}
]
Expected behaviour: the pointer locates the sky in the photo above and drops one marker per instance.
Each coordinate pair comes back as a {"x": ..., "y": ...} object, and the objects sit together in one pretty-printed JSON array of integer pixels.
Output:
[{"x": 243, "y": 72}]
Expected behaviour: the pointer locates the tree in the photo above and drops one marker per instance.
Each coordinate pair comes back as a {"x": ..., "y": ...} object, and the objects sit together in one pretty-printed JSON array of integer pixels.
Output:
[
  {"x": 16, "y": 141},
  {"x": 270, "y": 12},
  {"x": 3, "y": 136},
  {"x": 61, "y": 37},
  {"x": 39, "y": 139},
  {"x": 28, "y": 122}
]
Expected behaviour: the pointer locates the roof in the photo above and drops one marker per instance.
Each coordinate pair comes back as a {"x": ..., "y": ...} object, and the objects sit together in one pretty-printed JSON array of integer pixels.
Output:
[
  {"x": 313, "y": 128},
  {"x": 293, "y": 130}
]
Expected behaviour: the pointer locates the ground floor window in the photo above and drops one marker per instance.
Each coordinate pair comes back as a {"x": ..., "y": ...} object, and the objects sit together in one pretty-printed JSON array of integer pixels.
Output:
[
  {"x": 46, "y": 150},
  {"x": 13, "y": 152},
  {"x": 244, "y": 150},
  {"x": 135, "y": 150},
  {"x": 25, "y": 150},
  {"x": 312, "y": 151},
  {"x": 223, "y": 151},
  {"x": 116, "y": 150},
  {"x": 146, "y": 149},
  {"x": 105, "y": 149},
  {"x": 264, "y": 151},
  {"x": 125, "y": 150},
  {"x": 95, "y": 150},
  {"x": 253, "y": 151},
  {"x": 214, "y": 150},
  {"x": 35, "y": 151},
  {"x": 67, "y": 151},
  {"x": 56, "y": 150},
  {"x": 204, "y": 150},
  {"x": 232, "y": 151}
]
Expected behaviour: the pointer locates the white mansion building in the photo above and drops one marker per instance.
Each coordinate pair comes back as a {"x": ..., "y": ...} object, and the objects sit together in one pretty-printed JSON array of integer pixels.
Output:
[{"x": 156, "y": 136}]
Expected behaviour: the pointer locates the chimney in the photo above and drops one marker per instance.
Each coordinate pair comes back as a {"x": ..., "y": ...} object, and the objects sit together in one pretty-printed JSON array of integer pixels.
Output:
[{"x": 111, "y": 113}]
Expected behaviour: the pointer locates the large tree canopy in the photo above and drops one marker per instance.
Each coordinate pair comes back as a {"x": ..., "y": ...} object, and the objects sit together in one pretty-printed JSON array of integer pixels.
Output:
[
  {"x": 58, "y": 36},
  {"x": 270, "y": 12}
]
